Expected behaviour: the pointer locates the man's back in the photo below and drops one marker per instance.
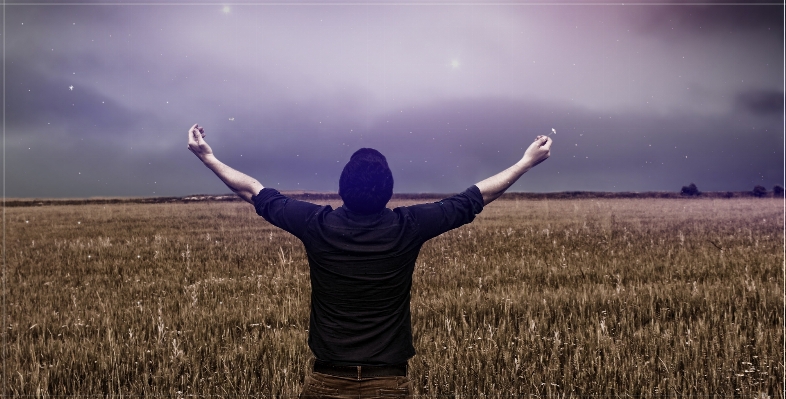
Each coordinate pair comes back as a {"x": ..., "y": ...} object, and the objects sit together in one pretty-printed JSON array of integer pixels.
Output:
[{"x": 361, "y": 270}]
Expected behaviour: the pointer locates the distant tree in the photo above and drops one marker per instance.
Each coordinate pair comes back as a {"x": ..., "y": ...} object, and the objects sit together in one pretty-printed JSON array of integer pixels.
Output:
[
  {"x": 778, "y": 191},
  {"x": 759, "y": 191},
  {"x": 728, "y": 194},
  {"x": 690, "y": 190}
]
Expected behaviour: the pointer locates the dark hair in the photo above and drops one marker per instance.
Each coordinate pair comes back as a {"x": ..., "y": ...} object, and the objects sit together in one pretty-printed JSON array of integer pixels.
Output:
[{"x": 366, "y": 183}]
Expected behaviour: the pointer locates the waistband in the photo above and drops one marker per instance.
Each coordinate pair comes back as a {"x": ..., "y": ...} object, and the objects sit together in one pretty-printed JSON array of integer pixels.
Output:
[{"x": 397, "y": 370}]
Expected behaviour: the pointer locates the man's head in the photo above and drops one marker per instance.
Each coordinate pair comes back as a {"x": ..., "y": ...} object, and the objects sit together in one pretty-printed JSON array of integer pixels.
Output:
[{"x": 366, "y": 183}]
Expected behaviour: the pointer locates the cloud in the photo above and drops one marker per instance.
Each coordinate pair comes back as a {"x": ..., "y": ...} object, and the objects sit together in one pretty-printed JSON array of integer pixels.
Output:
[
  {"x": 452, "y": 145},
  {"x": 674, "y": 21},
  {"x": 288, "y": 93},
  {"x": 449, "y": 145},
  {"x": 35, "y": 98},
  {"x": 761, "y": 102}
]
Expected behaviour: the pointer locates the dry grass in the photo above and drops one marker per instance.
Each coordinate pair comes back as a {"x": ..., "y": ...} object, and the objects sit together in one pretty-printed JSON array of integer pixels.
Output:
[{"x": 570, "y": 297}]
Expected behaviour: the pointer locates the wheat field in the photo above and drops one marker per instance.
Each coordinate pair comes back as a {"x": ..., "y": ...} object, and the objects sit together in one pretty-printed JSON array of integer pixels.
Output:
[{"x": 535, "y": 298}]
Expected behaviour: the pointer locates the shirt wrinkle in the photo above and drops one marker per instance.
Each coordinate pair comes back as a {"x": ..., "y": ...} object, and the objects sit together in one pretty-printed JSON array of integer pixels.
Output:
[{"x": 361, "y": 270}]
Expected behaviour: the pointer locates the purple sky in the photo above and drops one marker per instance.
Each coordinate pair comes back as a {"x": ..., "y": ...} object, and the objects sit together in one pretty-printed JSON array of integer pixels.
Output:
[{"x": 99, "y": 97}]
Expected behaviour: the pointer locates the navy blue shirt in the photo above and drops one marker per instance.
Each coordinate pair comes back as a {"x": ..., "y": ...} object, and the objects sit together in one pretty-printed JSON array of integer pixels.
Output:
[{"x": 361, "y": 270}]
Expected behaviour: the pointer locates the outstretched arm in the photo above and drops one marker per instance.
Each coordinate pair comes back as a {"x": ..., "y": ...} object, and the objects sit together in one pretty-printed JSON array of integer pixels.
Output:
[
  {"x": 241, "y": 184},
  {"x": 494, "y": 186}
]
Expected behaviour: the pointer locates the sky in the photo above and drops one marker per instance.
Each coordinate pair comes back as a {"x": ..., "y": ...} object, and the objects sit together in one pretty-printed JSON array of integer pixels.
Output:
[{"x": 99, "y": 97}]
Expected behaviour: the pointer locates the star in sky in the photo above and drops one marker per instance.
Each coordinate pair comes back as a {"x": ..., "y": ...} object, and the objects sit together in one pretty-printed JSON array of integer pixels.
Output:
[{"x": 71, "y": 87}]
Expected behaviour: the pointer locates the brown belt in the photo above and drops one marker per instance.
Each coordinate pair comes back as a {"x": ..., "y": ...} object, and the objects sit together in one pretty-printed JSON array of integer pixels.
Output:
[{"x": 360, "y": 371}]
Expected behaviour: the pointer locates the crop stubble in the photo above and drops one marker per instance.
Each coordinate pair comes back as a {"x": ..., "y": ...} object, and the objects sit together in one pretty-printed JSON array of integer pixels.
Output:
[{"x": 545, "y": 297}]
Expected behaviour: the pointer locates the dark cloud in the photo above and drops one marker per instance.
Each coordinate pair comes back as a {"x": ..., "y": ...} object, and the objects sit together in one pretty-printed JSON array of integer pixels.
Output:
[
  {"x": 447, "y": 146},
  {"x": 761, "y": 102},
  {"x": 40, "y": 101},
  {"x": 442, "y": 147},
  {"x": 674, "y": 21}
]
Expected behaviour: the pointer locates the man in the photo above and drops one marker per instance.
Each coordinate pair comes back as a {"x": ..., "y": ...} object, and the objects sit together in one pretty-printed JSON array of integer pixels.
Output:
[{"x": 361, "y": 257}]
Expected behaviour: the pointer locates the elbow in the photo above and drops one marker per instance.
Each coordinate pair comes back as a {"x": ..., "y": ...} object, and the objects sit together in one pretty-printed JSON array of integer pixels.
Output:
[
  {"x": 246, "y": 196},
  {"x": 487, "y": 199}
]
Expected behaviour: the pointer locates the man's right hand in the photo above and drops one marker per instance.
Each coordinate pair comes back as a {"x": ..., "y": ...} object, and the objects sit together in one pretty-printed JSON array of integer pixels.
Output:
[
  {"x": 197, "y": 143},
  {"x": 537, "y": 152},
  {"x": 241, "y": 184}
]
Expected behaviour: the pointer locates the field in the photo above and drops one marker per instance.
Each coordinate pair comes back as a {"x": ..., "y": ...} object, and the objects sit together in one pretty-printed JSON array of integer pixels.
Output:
[{"x": 604, "y": 297}]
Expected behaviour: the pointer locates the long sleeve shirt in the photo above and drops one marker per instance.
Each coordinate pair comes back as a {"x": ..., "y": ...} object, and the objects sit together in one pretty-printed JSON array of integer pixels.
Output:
[{"x": 361, "y": 270}]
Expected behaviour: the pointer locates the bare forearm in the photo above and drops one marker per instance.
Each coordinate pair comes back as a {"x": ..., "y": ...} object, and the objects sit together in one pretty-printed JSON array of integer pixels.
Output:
[
  {"x": 496, "y": 185},
  {"x": 241, "y": 184}
]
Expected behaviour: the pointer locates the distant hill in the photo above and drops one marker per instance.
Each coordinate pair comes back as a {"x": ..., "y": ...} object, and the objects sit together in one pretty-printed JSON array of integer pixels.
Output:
[{"x": 317, "y": 197}]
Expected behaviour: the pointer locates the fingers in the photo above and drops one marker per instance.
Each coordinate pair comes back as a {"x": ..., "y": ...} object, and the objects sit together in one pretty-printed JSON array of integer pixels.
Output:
[
  {"x": 196, "y": 128},
  {"x": 195, "y": 134},
  {"x": 191, "y": 138},
  {"x": 542, "y": 141}
]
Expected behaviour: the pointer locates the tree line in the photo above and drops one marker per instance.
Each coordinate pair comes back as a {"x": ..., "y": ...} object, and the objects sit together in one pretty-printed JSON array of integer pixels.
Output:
[{"x": 758, "y": 191}]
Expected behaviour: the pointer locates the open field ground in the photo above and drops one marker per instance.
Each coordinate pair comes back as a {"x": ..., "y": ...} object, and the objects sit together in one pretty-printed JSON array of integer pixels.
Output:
[{"x": 536, "y": 297}]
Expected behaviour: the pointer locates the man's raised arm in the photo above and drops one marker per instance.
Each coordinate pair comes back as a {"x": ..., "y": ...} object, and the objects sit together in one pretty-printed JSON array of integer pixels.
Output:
[
  {"x": 494, "y": 186},
  {"x": 241, "y": 184}
]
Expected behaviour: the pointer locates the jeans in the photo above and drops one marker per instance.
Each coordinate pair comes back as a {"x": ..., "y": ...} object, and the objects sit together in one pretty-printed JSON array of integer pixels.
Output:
[{"x": 324, "y": 386}]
